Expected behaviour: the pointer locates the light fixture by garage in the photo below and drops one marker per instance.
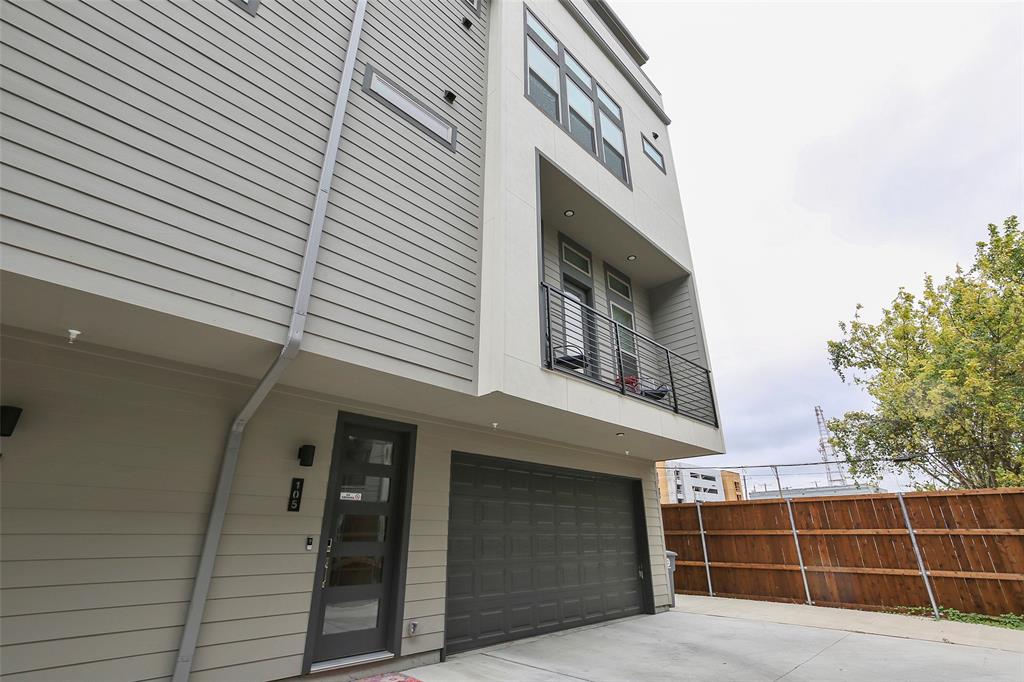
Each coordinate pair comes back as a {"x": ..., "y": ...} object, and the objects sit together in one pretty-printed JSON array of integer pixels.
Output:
[{"x": 568, "y": 213}]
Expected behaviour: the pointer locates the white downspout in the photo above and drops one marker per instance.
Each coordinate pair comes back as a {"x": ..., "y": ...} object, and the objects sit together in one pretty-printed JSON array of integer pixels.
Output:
[{"x": 296, "y": 329}]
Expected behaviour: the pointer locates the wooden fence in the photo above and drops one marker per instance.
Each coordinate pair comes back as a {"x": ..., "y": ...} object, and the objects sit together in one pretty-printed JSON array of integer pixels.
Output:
[{"x": 959, "y": 549}]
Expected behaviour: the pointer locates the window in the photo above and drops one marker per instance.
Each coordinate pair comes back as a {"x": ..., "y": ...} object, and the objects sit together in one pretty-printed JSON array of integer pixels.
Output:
[
  {"x": 542, "y": 33},
  {"x": 249, "y": 6},
  {"x": 578, "y": 71},
  {"x": 543, "y": 82},
  {"x": 609, "y": 103},
  {"x": 653, "y": 154},
  {"x": 627, "y": 342},
  {"x": 614, "y": 147},
  {"x": 588, "y": 114},
  {"x": 398, "y": 100},
  {"x": 576, "y": 259},
  {"x": 620, "y": 286},
  {"x": 581, "y": 115}
]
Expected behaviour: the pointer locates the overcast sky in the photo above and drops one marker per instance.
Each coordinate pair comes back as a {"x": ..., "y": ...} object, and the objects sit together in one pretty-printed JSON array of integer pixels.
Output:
[{"x": 828, "y": 153}]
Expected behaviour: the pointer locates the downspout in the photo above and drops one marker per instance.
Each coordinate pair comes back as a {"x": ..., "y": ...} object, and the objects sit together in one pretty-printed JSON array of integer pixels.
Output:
[{"x": 296, "y": 329}]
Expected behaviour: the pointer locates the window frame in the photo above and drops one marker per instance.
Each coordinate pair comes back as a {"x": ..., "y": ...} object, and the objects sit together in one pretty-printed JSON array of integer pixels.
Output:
[
  {"x": 590, "y": 261},
  {"x": 609, "y": 274},
  {"x": 660, "y": 161},
  {"x": 566, "y": 73},
  {"x": 373, "y": 72}
]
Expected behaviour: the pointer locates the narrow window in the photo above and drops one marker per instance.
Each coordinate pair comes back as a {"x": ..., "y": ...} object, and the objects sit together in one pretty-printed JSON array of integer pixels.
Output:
[
  {"x": 627, "y": 342},
  {"x": 542, "y": 32},
  {"x": 619, "y": 286},
  {"x": 576, "y": 259},
  {"x": 653, "y": 154},
  {"x": 578, "y": 71},
  {"x": 398, "y": 100},
  {"x": 543, "y": 83},
  {"x": 614, "y": 146},
  {"x": 581, "y": 115}
]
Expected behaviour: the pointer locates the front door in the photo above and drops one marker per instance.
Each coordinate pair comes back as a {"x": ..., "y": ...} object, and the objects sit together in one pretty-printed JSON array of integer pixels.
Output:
[{"x": 354, "y": 604}]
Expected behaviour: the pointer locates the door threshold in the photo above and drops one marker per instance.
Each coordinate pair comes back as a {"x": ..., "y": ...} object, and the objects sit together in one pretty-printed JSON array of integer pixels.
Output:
[{"x": 350, "y": 661}]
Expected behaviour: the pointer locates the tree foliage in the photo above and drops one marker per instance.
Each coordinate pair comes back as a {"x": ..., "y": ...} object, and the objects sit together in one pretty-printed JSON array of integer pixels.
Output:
[{"x": 946, "y": 373}]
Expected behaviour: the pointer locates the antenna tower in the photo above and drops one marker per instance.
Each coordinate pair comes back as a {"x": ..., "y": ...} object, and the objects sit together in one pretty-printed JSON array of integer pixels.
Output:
[{"x": 833, "y": 469}]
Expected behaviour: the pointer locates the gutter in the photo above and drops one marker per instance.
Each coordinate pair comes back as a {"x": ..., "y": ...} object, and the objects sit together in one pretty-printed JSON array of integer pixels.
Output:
[{"x": 293, "y": 343}]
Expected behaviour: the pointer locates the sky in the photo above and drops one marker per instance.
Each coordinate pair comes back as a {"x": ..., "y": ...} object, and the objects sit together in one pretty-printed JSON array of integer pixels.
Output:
[{"x": 828, "y": 153}]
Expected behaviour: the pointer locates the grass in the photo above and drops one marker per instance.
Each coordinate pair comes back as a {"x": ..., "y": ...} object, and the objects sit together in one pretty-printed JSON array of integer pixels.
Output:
[{"x": 1007, "y": 620}]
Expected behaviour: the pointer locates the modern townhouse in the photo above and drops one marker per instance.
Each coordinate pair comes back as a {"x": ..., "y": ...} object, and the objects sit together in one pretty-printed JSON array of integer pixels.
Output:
[{"x": 345, "y": 333}]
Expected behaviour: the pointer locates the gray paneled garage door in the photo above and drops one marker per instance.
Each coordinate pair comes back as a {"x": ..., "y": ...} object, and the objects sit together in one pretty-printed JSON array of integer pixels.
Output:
[{"x": 533, "y": 549}]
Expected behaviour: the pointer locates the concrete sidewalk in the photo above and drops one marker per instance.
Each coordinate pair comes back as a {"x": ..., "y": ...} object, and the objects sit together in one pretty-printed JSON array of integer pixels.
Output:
[{"x": 725, "y": 639}]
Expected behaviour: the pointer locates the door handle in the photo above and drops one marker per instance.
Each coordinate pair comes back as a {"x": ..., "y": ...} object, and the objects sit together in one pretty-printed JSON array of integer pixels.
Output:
[{"x": 323, "y": 582}]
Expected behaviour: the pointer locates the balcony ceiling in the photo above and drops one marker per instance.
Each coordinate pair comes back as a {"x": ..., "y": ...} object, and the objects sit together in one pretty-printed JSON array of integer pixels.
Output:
[{"x": 601, "y": 230}]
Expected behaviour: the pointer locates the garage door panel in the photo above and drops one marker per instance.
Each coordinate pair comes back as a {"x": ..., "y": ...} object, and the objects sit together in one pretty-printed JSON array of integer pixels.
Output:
[{"x": 536, "y": 549}]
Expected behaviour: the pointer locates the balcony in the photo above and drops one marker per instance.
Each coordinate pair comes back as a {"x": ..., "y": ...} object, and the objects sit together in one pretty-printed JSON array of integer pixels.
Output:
[{"x": 582, "y": 342}]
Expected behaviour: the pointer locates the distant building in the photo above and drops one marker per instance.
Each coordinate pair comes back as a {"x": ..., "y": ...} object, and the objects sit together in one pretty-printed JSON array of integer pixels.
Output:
[
  {"x": 681, "y": 484},
  {"x": 731, "y": 485},
  {"x": 817, "y": 491}
]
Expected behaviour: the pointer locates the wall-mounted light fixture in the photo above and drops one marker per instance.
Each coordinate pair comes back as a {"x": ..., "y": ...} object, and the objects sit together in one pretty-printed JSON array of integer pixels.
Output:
[
  {"x": 466, "y": 23},
  {"x": 654, "y": 135},
  {"x": 306, "y": 453},
  {"x": 449, "y": 96},
  {"x": 9, "y": 416}
]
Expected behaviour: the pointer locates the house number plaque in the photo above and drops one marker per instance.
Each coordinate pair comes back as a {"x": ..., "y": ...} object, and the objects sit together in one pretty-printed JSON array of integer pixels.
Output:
[{"x": 295, "y": 496}]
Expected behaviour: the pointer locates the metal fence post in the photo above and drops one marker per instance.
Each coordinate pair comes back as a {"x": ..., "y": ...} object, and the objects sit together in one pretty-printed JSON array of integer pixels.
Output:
[
  {"x": 704, "y": 547},
  {"x": 672, "y": 381},
  {"x": 917, "y": 553},
  {"x": 799, "y": 554}
]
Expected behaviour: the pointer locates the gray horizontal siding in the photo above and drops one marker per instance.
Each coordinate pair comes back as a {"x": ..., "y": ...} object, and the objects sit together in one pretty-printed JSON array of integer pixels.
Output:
[
  {"x": 170, "y": 147},
  {"x": 399, "y": 271},
  {"x": 676, "y": 322}
]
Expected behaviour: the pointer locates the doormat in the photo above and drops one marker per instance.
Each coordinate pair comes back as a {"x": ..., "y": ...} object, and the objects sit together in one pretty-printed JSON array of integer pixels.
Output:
[{"x": 389, "y": 677}]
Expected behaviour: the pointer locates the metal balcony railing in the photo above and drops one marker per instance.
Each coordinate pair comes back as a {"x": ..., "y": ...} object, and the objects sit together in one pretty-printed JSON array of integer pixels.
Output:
[{"x": 583, "y": 342}]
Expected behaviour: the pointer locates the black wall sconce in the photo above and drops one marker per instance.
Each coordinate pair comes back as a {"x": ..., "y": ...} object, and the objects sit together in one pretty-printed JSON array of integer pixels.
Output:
[
  {"x": 9, "y": 416},
  {"x": 449, "y": 96},
  {"x": 306, "y": 453},
  {"x": 466, "y": 23}
]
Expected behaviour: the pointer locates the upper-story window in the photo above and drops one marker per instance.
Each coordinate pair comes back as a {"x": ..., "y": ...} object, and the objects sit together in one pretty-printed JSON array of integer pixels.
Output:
[
  {"x": 588, "y": 113},
  {"x": 620, "y": 286},
  {"x": 575, "y": 258},
  {"x": 653, "y": 154}
]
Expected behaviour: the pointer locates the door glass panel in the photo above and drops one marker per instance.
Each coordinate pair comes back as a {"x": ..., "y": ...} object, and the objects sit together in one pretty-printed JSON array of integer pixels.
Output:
[
  {"x": 364, "y": 488},
  {"x": 355, "y": 570},
  {"x": 360, "y": 614},
  {"x": 369, "y": 450},
  {"x": 575, "y": 341},
  {"x": 361, "y": 528}
]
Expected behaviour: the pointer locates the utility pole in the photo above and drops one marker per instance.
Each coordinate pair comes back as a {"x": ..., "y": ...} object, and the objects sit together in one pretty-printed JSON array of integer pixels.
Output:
[
  {"x": 833, "y": 469},
  {"x": 775, "y": 470}
]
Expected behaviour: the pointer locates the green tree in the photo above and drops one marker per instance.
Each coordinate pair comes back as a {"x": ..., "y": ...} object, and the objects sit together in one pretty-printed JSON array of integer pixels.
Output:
[{"x": 946, "y": 374}]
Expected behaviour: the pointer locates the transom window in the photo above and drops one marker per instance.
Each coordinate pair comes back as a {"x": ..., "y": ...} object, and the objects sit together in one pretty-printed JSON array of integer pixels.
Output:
[
  {"x": 588, "y": 114},
  {"x": 619, "y": 286},
  {"x": 576, "y": 259}
]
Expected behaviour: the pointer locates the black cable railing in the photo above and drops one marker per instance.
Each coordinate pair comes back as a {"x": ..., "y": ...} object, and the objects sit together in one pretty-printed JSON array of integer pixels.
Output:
[{"x": 583, "y": 342}]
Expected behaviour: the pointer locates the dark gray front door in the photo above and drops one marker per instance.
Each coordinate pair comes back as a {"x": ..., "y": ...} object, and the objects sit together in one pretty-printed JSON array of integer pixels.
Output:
[
  {"x": 533, "y": 549},
  {"x": 354, "y": 603}
]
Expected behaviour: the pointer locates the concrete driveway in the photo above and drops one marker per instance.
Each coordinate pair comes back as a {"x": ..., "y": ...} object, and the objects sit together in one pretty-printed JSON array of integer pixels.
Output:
[{"x": 750, "y": 641}]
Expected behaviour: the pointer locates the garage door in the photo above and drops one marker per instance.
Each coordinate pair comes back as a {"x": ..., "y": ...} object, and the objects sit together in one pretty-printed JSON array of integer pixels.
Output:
[{"x": 533, "y": 549}]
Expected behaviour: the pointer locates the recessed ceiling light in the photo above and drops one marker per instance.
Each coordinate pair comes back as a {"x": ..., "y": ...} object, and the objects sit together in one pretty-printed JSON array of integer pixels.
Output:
[
  {"x": 630, "y": 257},
  {"x": 568, "y": 213},
  {"x": 620, "y": 434}
]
